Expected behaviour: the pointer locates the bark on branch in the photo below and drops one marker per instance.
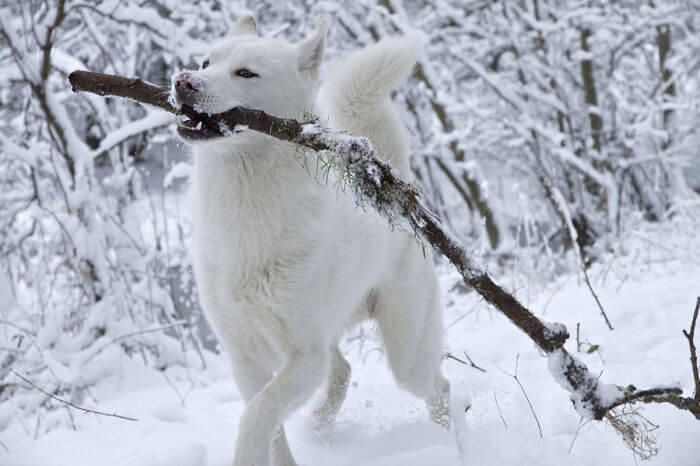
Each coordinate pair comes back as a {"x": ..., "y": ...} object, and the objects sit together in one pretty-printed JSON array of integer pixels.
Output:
[{"x": 398, "y": 201}]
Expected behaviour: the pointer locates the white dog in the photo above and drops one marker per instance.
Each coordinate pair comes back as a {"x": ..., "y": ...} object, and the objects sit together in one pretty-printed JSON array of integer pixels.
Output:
[{"x": 285, "y": 263}]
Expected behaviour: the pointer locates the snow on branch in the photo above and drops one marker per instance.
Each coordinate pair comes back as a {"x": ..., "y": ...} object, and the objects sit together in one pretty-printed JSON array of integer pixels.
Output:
[{"x": 375, "y": 184}]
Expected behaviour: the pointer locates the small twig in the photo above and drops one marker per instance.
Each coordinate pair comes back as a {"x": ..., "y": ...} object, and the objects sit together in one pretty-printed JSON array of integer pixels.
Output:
[
  {"x": 499, "y": 409},
  {"x": 133, "y": 334},
  {"x": 71, "y": 404},
  {"x": 3, "y": 445},
  {"x": 177, "y": 392},
  {"x": 451, "y": 356},
  {"x": 470, "y": 363},
  {"x": 578, "y": 337},
  {"x": 595, "y": 296},
  {"x": 463, "y": 315},
  {"x": 576, "y": 434},
  {"x": 515, "y": 377},
  {"x": 70, "y": 416},
  {"x": 690, "y": 335},
  {"x": 36, "y": 426}
]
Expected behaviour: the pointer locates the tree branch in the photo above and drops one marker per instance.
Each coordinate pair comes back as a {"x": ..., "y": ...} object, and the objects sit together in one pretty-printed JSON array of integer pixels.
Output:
[
  {"x": 690, "y": 335},
  {"x": 396, "y": 200},
  {"x": 68, "y": 403}
]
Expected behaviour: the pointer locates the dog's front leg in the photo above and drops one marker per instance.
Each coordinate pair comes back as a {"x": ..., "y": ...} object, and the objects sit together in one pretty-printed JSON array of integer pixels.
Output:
[
  {"x": 296, "y": 382},
  {"x": 251, "y": 378}
]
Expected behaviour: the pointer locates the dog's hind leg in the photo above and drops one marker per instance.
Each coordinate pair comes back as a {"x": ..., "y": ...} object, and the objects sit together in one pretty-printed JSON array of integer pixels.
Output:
[
  {"x": 408, "y": 315},
  {"x": 336, "y": 389},
  {"x": 250, "y": 379}
]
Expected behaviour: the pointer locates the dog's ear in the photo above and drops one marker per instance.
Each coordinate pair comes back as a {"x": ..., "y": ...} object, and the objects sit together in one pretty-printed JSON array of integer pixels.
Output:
[
  {"x": 245, "y": 26},
  {"x": 311, "y": 50}
]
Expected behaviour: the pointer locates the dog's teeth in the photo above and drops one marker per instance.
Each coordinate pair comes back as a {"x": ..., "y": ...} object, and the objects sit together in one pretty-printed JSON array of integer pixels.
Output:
[{"x": 199, "y": 125}]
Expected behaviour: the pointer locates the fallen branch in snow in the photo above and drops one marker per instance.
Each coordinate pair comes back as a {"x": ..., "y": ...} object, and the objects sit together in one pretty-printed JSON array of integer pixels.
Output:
[
  {"x": 68, "y": 403},
  {"x": 396, "y": 200}
]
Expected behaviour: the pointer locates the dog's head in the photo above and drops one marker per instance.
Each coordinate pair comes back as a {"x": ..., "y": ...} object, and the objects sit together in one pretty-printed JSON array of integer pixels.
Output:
[{"x": 244, "y": 70}]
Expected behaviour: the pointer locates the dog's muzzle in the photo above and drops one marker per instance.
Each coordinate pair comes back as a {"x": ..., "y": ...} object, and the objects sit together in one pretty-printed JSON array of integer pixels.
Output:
[{"x": 186, "y": 88}]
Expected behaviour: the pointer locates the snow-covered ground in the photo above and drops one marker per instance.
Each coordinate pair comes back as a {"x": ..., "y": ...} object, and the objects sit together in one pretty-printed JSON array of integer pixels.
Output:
[{"x": 190, "y": 417}]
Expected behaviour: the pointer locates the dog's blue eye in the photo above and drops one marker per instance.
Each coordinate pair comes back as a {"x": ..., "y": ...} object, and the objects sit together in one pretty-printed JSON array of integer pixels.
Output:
[
  {"x": 243, "y": 73},
  {"x": 205, "y": 63}
]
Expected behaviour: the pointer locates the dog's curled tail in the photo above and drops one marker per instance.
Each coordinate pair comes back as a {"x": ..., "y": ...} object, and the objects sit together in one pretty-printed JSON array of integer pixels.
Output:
[{"x": 357, "y": 93}]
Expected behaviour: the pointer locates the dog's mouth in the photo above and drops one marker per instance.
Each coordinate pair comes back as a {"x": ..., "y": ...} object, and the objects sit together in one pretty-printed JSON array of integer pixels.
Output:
[{"x": 195, "y": 130}]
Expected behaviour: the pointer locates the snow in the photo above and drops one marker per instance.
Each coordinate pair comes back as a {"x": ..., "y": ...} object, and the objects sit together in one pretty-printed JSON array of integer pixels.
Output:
[
  {"x": 310, "y": 130},
  {"x": 179, "y": 170},
  {"x": 189, "y": 416}
]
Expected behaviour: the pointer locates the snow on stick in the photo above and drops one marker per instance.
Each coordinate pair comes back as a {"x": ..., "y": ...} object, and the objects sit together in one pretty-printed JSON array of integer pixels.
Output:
[{"x": 375, "y": 184}]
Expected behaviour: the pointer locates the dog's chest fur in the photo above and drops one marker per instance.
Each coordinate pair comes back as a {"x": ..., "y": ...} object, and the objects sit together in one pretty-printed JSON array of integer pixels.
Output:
[
  {"x": 265, "y": 229},
  {"x": 249, "y": 212}
]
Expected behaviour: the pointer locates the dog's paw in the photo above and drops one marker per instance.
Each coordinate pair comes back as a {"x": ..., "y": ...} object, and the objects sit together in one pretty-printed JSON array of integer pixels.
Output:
[{"x": 323, "y": 418}]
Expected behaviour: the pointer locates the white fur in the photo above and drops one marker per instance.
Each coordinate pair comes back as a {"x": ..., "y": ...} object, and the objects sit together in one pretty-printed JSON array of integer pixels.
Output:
[{"x": 284, "y": 264}]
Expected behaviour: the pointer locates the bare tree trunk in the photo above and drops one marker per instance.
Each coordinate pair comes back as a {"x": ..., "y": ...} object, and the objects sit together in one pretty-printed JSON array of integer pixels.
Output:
[
  {"x": 663, "y": 41},
  {"x": 472, "y": 194},
  {"x": 590, "y": 92}
]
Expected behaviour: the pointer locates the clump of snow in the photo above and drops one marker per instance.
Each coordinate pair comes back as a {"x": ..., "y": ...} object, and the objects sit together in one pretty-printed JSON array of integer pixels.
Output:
[
  {"x": 310, "y": 129},
  {"x": 174, "y": 102},
  {"x": 557, "y": 362},
  {"x": 179, "y": 170},
  {"x": 555, "y": 330},
  {"x": 590, "y": 392},
  {"x": 224, "y": 128},
  {"x": 609, "y": 394},
  {"x": 561, "y": 365}
]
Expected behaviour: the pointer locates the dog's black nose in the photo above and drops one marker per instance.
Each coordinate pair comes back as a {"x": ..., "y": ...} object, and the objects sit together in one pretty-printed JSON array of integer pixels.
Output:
[{"x": 186, "y": 87}]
